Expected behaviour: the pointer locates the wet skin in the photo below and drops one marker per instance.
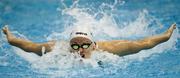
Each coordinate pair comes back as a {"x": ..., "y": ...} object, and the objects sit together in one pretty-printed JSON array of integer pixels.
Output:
[
  {"x": 119, "y": 47},
  {"x": 85, "y": 53}
]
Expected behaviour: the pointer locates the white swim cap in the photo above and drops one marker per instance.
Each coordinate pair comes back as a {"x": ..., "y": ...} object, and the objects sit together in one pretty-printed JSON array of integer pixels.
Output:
[{"x": 81, "y": 32}]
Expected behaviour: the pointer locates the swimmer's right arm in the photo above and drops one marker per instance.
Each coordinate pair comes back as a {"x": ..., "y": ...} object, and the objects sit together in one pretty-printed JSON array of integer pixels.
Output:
[{"x": 26, "y": 45}]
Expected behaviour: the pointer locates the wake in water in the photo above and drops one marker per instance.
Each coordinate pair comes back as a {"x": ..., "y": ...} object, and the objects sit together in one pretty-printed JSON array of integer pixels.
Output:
[{"x": 104, "y": 27}]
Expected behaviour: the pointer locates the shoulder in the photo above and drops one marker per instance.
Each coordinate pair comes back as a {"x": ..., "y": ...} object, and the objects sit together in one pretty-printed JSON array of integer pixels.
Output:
[
  {"x": 102, "y": 44},
  {"x": 111, "y": 42},
  {"x": 62, "y": 42}
]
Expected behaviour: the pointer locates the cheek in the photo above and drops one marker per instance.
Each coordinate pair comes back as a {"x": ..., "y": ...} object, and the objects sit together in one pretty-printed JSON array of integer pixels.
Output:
[
  {"x": 72, "y": 50},
  {"x": 90, "y": 49}
]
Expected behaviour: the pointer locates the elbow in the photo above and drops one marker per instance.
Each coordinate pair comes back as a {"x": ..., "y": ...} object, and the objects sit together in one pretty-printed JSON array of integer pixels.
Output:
[
  {"x": 33, "y": 49},
  {"x": 12, "y": 42},
  {"x": 148, "y": 45}
]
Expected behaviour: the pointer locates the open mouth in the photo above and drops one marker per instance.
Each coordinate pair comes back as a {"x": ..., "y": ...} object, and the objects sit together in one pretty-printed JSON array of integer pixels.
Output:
[{"x": 82, "y": 55}]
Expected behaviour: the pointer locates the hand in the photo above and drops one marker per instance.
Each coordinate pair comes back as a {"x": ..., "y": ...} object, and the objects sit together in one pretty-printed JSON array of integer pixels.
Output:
[
  {"x": 173, "y": 26},
  {"x": 5, "y": 29}
]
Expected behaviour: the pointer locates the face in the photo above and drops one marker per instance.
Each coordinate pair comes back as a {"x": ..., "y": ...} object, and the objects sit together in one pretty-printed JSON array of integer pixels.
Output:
[{"x": 83, "y": 45}]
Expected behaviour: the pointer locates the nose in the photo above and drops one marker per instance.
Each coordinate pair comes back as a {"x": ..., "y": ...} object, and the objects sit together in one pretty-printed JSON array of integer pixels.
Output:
[
  {"x": 80, "y": 49},
  {"x": 81, "y": 52}
]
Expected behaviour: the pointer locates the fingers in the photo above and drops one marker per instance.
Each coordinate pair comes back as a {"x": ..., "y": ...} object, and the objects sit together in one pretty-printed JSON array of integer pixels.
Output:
[
  {"x": 174, "y": 26},
  {"x": 5, "y": 29}
]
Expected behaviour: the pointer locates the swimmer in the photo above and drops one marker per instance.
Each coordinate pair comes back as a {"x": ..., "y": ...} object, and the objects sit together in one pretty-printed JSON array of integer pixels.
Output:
[{"x": 82, "y": 42}]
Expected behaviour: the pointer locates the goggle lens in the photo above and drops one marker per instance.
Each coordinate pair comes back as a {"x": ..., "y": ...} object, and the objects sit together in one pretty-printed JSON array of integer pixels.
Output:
[
  {"x": 85, "y": 46},
  {"x": 75, "y": 47}
]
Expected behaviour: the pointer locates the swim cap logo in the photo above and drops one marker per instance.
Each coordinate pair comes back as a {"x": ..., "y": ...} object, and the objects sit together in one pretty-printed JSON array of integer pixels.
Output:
[{"x": 81, "y": 33}]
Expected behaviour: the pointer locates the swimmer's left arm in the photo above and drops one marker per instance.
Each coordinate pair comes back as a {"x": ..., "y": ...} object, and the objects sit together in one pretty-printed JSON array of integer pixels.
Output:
[
  {"x": 119, "y": 47},
  {"x": 125, "y": 47}
]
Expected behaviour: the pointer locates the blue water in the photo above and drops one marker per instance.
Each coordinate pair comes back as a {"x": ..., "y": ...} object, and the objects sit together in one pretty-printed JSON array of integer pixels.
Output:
[{"x": 43, "y": 20}]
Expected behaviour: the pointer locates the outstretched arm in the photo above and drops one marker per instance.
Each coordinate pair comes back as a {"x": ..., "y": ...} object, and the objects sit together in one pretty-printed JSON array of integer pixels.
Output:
[
  {"x": 26, "y": 45},
  {"x": 125, "y": 47}
]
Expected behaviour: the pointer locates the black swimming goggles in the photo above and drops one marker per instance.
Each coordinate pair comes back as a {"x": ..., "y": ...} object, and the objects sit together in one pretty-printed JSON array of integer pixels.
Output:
[{"x": 77, "y": 46}]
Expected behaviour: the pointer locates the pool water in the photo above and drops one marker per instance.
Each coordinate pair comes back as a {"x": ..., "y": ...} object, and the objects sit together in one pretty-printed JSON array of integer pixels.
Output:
[{"x": 44, "y": 20}]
